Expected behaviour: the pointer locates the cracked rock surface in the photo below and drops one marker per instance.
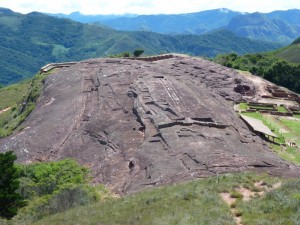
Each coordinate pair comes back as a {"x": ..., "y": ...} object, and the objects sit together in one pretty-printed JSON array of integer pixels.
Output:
[{"x": 137, "y": 124}]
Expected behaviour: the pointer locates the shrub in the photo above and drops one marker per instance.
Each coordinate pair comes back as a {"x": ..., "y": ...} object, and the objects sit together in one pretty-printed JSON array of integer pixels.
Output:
[{"x": 53, "y": 187}]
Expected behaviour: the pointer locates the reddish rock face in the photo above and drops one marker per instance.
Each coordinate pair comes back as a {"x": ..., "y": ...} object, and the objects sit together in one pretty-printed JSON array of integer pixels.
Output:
[{"x": 137, "y": 124}]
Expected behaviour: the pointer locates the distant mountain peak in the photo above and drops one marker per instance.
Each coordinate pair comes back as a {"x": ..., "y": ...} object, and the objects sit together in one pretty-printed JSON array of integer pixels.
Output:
[
  {"x": 5, "y": 11},
  {"x": 225, "y": 10}
]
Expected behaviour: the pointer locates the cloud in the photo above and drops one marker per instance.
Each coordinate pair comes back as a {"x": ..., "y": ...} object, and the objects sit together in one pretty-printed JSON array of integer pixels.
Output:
[{"x": 145, "y": 6}]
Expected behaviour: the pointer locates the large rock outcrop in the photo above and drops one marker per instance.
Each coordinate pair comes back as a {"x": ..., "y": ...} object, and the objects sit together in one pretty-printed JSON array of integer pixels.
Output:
[{"x": 138, "y": 124}]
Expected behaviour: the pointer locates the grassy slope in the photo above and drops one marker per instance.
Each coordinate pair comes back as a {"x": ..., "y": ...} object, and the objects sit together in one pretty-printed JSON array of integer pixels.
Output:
[
  {"x": 13, "y": 94},
  {"x": 21, "y": 99},
  {"x": 290, "y": 53},
  {"x": 196, "y": 202},
  {"x": 280, "y": 206}
]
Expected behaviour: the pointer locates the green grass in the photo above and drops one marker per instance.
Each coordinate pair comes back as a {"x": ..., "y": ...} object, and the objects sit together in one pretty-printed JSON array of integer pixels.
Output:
[
  {"x": 268, "y": 123},
  {"x": 281, "y": 206},
  {"x": 281, "y": 109},
  {"x": 290, "y": 154},
  {"x": 195, "y": 202},
  {"x": 13, "y": 94},
  {"x": 21, "y": 98},
  {"x": 255, "y": 115},
  {"x": 243, "y": 106},
  {"x": 260, "y": 107},
  {"x": 273, "y": 126},
  {"x": 297, "y": 116},
  {"x": 290, "y": 53},
  {"x": 292, "y": 124}
]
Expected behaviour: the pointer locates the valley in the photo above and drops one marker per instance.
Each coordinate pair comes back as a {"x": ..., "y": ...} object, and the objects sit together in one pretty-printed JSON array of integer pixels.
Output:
[
  {"x": 202, "y": 128},
  {"x": 30, "y": 41}
]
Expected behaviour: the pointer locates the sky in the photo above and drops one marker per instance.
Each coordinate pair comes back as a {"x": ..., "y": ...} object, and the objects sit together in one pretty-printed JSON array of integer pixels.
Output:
[{"x": 93, "y": 7}]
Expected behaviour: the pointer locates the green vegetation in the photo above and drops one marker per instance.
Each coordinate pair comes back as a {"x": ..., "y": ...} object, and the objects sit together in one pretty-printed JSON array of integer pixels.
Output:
[
  {"x": 54, "y": 187},
  {"x": 196, "y": 202},
  {"x": 294, "y": 125},
  {"x": 297, "y": 116},
  {"x": 269, "y": 123},
  {"x": 21, "y": 98},
  {"x": 138, "y": 52},
  {"x": 264, "y": 27},
  {"x": 243, "y": 106},
  {"x": 280, "y": 206},
  {"x": 10, "y": 200},
  {"x": 120, "y": 55},
  {"x": 290, "y": 53},
  {"x": 290, "y": 154},
  {"x": 13, "y": 94},
  {"x": 27, "y": 42},
  {"x": 297, "y": 41},
  {"x": 255, "y": 115},
  {"x": 267, "y": 66},
  {"x": 286, "y": 130},
  {"x": 60, "y": 193},
  {"x": 281, "y": 109},
  {"x": 257, "y": 107}
]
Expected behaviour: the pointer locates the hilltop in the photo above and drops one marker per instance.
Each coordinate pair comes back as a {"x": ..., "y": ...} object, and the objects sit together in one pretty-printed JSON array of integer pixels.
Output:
[
  {"x": 118, "y": 115},
  {"x": 152, "y": 123}
]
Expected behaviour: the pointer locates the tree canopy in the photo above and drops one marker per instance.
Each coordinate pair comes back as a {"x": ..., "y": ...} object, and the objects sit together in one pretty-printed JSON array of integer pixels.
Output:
[
  {"x": 138, "y": 52},
  {"x": 269, "y": 67},
  {"x": 10, "y": 200}
]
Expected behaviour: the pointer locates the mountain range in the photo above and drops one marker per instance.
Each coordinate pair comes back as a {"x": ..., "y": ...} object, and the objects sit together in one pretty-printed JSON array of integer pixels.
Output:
[
  {"x": 30, "y": 41},
  {"x": 278, "y": 26}
]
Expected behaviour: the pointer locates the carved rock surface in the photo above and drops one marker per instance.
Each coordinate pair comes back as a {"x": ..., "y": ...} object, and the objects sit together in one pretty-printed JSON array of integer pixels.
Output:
[{"x": 139, "y": 124}]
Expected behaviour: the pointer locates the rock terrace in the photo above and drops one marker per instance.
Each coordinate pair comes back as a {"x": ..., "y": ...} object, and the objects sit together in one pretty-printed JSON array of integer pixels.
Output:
[{"x": 138, "y": 124}]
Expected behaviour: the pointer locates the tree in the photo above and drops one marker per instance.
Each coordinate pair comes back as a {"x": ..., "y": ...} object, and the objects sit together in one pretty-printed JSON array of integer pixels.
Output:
[
  {"x": 10, "y": 200},
  {"x": 138, "y": 52},
  {"x": 125, "y": 54}
]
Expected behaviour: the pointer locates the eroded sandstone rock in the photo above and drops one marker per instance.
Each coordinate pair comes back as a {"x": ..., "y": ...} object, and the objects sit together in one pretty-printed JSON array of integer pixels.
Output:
[{"x": 138, "y": 124}]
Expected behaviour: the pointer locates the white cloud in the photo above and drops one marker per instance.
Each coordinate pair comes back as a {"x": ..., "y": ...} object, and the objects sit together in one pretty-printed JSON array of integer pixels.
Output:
[{"x": 145, "y": 6}]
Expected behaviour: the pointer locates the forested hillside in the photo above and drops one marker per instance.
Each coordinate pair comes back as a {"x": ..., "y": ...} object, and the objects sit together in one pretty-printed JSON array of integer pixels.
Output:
[
  {"x": 281, "y": 67},
  {"x": 27, "y": 42},
  {"x": 260, "y": 26},
  {"x": 290, "y": 53}
]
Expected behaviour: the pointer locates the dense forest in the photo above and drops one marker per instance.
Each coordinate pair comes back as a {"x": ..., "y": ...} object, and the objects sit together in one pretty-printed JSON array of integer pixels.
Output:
[{"x": 268, "y": 66}]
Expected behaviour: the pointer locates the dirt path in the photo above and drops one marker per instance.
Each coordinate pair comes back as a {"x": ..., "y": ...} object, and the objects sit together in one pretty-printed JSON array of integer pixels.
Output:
[
  {"x": 4, "y": 110},
  {"x": 246, "y": 196}
]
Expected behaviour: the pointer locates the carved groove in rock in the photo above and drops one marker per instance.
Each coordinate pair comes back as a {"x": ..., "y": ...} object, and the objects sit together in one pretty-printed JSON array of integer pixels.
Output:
[{"x": 139, "y": 124}]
